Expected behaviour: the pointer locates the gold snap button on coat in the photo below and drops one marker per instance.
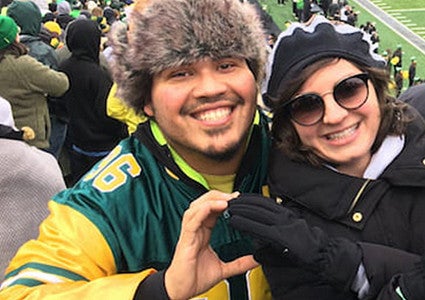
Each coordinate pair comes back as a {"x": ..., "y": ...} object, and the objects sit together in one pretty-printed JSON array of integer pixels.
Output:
[{"x": 357, "y": 217}]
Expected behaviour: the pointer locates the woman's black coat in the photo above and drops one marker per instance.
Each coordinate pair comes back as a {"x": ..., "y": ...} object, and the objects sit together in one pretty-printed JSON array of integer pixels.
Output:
[{"x": 386, "y": 215}]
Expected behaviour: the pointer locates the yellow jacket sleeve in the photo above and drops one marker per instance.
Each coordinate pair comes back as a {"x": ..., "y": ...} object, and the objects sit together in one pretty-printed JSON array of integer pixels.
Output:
[
  {"x": 117, "y": 109},
  {"x": 61, "y": 264}
]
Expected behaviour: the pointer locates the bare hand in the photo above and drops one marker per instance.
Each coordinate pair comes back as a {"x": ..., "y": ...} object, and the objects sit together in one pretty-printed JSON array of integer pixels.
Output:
[{"x": 195, "y": 267}]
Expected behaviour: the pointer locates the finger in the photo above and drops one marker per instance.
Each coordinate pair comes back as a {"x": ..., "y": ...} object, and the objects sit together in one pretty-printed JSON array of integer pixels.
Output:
[
  {"x": 272, "y": 256},
  {"x": 239, "y": 266},
  {"x": 202, "y": 216},
  {"x": 256, "y": 229},
  {"x": 258, "y": 200},
  {"x": 214, "y": 195},
  {"x": 254, "y": 212}
]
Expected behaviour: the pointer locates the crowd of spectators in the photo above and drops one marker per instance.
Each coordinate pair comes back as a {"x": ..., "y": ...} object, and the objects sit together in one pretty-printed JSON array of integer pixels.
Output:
[{"x": 43, "y": 30}]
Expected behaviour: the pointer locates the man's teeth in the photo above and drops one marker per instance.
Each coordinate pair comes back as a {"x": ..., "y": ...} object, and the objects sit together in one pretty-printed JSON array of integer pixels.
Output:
[
  {"x": 342, "y": 134},
  {"x": 214, "y": 115}
]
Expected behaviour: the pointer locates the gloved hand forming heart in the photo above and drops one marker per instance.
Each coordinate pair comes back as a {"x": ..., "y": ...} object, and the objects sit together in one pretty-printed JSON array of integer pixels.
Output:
[{"x": 278, "y": 232}]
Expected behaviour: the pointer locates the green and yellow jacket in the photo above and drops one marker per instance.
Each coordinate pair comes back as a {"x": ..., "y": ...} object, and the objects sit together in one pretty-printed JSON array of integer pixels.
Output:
[{"x": 121, "y": 222}]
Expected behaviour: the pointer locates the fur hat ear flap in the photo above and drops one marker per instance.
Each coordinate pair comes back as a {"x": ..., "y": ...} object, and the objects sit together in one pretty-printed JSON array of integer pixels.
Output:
[
  {"x": 169, "y": 33},
  {"x": 125, "y": 75}
]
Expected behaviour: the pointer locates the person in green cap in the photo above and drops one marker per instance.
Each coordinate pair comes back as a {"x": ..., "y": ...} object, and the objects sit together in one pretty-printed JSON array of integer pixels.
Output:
[{"x": 26, "y": 82}]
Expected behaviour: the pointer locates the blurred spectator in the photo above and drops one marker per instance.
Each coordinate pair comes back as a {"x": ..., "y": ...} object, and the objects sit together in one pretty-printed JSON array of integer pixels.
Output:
[
  {"x": 91, "y": 133},
  {"x": 412, "y": 70},
  {"x": 375, "y": 41},
  {"x": 398, "y": 79},
  {"x": 56, "y": 33},
  {"x": 111, "y": 15},
  {"x": 76, "y": 9},
  {"x": 26, "y": 82},
  {"x": 53, "y": 6},
  {"x": 294, "y": 7},
  {"x": 369, "y": 27},
  {"x": 388, "y": 55},
  {"x": 49, "y": 16},
  {"x": 299, "y": 10},
  {"x": 90, "y": 5},
  {"x": 396, "y": 59},
  {"x": 63, "y": 14},
  {"x": 343, "y": 13},
  {"x": 271, "y": 39},
  {"x": 333, "y": 10},
  {"x": 97, "y": 16},
  {"x": 29, "y": 178},
  {"x": 27, "y": 16},
  {"x": 352, "y": 17}
]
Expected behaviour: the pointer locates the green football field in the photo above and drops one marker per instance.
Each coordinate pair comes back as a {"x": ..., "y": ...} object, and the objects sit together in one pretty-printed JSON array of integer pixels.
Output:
[{"x": 410, "y": 13}]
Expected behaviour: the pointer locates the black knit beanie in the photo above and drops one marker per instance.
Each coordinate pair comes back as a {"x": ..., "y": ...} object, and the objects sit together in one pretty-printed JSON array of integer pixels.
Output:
[{"x": 303, "y": 44}]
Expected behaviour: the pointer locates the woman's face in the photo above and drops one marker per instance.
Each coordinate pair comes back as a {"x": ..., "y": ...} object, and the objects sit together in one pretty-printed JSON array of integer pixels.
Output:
[{"x": 342, "y": 137}]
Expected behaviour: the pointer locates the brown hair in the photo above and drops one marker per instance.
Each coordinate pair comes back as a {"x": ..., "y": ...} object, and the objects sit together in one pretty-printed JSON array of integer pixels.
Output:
[
  {"x": 16, "y": 49},
  {"x": 394, "y": 116}
]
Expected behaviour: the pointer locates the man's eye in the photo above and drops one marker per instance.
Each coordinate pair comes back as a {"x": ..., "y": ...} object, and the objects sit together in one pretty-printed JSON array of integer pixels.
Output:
[
  {"x": 226, "y": 66},
  {"x": 180, "y": 74}
]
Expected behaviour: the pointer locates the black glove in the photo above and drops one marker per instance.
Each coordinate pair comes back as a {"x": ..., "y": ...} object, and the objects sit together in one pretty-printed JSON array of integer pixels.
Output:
[{"x": 279, "y": 232}]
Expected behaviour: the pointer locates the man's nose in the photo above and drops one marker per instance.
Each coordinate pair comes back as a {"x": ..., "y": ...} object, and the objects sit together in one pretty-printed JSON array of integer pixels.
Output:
[{"x": 209, "y": 84}]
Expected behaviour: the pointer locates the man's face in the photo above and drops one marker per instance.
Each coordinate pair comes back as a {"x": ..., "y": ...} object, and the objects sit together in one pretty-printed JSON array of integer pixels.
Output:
[{"x": 205, "y": 109}]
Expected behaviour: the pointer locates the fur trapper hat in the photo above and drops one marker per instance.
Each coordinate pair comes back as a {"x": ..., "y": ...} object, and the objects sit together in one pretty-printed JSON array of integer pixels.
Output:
[
  {"x": 171, "y": 33},
  {"x": 305, "y": 43}
]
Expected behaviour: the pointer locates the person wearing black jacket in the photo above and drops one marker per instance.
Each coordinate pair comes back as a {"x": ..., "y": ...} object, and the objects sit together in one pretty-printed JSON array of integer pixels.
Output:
[
  {"x": 347, "y": 166},
  {"x": 91, "y": 133}
]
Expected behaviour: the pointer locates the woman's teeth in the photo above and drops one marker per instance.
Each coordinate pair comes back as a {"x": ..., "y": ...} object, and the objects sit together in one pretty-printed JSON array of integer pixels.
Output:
[{"x": 342, "y": 134}]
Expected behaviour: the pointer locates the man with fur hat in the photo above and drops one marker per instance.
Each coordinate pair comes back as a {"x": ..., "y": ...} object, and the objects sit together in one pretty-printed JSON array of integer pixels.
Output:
[{"x": 146, "y": 222}]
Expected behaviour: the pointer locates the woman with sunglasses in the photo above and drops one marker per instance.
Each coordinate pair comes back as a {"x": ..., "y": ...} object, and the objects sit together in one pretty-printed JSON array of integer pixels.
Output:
[{"x": 348, "y": 169}]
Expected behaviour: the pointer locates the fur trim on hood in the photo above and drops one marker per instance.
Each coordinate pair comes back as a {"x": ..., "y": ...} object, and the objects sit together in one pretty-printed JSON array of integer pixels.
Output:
[{"x": 171, "y": 33}]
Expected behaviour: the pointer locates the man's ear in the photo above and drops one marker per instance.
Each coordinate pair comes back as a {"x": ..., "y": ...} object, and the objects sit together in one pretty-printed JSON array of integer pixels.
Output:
[{"x": 147, "y": 109}]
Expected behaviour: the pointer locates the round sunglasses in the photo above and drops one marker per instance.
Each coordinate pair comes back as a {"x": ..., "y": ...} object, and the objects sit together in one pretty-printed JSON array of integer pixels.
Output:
[{"x": 350, "y": 93}]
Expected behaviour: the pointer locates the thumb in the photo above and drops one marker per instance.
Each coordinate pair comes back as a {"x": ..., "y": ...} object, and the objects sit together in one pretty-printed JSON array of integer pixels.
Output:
[{"x": 239, "y": 266}]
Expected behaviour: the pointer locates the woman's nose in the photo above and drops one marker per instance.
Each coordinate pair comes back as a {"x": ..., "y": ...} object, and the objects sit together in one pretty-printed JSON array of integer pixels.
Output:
[{"x": 334, "y": 113}]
